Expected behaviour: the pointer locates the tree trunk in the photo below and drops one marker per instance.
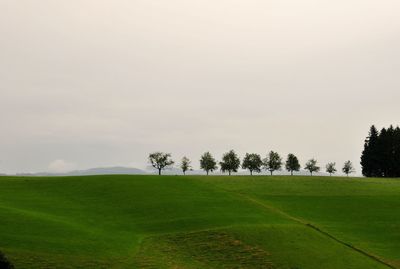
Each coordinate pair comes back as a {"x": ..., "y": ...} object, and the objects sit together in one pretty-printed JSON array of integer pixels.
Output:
[
  {"x": 207, "y": 172},
  {"x": 159, "y": 171},
  {"x": 271, "y": 173},
  {"x": 251, "y": 172},
  {"x": 184, "y": 173},
  {"x": 291, "y": 173},
  {"x": 229, "y": 172},
  {"x": 311, "y": 173}
]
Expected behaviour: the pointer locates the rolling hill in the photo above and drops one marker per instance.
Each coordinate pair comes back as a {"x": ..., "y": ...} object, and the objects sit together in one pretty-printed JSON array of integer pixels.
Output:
[{"x": 200, "y": 222}]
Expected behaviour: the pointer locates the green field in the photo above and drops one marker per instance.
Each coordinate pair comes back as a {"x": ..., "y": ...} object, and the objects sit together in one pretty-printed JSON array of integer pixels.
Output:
[{"x": 200, "y": 222}]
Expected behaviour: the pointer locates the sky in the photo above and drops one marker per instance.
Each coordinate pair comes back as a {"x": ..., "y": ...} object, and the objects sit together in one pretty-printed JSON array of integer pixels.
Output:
[{"x": 89, "y": 83}]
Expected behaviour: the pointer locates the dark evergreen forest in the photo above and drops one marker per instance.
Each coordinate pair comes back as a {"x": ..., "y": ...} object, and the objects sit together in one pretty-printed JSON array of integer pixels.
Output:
[{"x": 381, "y": 155}]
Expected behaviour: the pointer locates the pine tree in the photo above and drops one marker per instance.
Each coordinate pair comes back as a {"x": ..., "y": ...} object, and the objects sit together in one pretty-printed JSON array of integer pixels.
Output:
[
  {"x": 369, "y": 157},
  {"x": 396, "y": 152},
  {"x": 381, "y": 155}
]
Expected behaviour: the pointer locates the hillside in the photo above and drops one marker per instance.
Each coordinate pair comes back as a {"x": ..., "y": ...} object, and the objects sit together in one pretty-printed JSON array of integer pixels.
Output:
[{"x": 200, "y": 222}]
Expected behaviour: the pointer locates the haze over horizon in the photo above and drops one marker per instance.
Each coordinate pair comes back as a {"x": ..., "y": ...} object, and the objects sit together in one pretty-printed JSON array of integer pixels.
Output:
[{"x": 103, "y": 83}]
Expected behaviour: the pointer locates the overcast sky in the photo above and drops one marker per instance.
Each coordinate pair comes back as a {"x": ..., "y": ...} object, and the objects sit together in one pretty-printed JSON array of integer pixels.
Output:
[{"x": 87, "y": 83}]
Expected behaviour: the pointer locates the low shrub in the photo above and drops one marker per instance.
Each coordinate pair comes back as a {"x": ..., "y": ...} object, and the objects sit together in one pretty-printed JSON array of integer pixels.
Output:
[{"x": 4, "y": 262}]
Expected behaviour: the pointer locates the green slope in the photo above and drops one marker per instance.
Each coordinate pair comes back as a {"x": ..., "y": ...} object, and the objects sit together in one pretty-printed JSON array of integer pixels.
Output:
[{"x": 199, "y": 222}]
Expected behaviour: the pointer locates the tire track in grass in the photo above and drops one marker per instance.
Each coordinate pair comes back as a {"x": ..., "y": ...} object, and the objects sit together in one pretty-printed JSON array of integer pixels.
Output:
[{"x": 311, "y": 226}]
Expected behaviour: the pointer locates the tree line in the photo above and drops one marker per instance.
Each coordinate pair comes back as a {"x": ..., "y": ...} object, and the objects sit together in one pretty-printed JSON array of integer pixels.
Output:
[
  {"x": 252, "y": 162},
  {"x": 381, "y": 154}
]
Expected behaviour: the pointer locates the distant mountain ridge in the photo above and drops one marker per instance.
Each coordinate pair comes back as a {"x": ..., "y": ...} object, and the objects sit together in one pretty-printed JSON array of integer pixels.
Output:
[{"x": 117, "y": 170}]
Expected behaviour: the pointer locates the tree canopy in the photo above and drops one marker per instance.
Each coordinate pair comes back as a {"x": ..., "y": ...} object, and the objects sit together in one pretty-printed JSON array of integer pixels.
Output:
[
  {"x": 185, "y": 165},
  {"x": 208, "y": 163},
  {"x": 311, "y": 166},
  {"x": 230, "y": 162},
  {"x": 381, "y": 154},
  {"x": 252, "y": 162},
  {"x": 331, "y": 168},
  {"x": 160, "y": 160},
  {"x": 273, "y": 162},
  {"x": 292, "y": 163},
  {"x": 348, "y": 168}
]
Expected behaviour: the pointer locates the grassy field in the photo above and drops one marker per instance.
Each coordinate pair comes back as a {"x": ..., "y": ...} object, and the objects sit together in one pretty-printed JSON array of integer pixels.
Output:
[{"x": 200, "y": 222}]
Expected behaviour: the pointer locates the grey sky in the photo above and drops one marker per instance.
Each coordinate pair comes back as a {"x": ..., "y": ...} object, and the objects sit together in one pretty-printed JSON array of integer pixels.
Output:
[{"x": 88, "y": 83}]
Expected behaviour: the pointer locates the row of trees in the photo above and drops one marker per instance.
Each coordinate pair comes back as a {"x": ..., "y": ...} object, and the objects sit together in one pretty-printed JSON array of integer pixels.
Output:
[
  {"x": 252, "y": 161},
  {"x": 381, "y": 155}
]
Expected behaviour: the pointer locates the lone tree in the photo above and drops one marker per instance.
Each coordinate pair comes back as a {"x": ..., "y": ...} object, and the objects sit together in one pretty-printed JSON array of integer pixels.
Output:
[
  {"x": 292, "y": 163},
  {"x": 330, "y": 168},
  {"x": 208, "y": 163},
  {"x": 311, "y": 166},
  {"x": 273, "y": 162},
  {"x": 160, "y": 160},
  {"x": 230, "y": 162},
  {"x": 185, "y": 165},
  {"x": 348, "y": 168},
  {"x": 252, "y": 162}
]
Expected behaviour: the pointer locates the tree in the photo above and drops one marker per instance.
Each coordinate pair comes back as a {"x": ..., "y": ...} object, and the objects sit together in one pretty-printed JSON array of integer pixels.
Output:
[
  {"x": 292, "y": 163},
  {"x": 330, "y": 168},
  {"x": 230, "y": 162},
  {"x": 185, "y": 165},
  {"x": 273, "y": 162},
  {"x": 396, "y": 152},
  {"x": 381, "y": 154},
  {"x": 208, "y": 163},
  {"x": 160, "y": 160},
  {"x": 348, "y": 168},
  {"x": 252, "y": 162},
  {"x": 387, "y": 152},
  {"x": 311, "y": 166},
  {"x": 370, "y": 155}
]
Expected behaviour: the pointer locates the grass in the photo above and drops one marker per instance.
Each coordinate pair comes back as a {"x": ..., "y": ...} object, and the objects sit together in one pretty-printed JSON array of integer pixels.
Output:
[{"x": 200, "y": 222}]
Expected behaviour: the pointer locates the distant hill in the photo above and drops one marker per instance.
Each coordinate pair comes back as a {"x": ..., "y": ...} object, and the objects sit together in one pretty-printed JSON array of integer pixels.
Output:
[{"x": 95, "y": 171}]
